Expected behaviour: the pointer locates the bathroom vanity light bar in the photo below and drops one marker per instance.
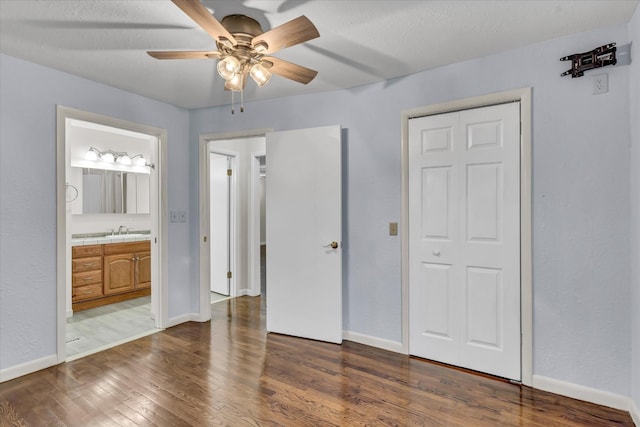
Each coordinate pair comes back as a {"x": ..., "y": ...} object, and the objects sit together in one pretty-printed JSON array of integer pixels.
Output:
[{"x": 110, "y": 156}]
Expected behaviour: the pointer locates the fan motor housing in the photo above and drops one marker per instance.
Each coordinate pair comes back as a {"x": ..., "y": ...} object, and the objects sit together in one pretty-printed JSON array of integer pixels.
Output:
[{"x": 241, "y": 26}]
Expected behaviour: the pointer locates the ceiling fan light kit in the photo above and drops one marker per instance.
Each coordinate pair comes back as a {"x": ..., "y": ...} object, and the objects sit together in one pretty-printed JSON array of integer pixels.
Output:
[{"x": 243, "y": 47}]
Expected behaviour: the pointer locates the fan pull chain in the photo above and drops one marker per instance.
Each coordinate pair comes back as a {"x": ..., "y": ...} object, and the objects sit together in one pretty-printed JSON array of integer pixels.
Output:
[
  {"x": 233, "y": 111},
  {"x": 232, "y": 101}
]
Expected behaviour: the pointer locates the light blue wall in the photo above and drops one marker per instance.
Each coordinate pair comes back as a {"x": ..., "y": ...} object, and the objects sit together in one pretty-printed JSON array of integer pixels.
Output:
[
  {"x": 29, "y": 94},
  {"x": 634, "y": 34},
  {"x": 580, "y": 196}
]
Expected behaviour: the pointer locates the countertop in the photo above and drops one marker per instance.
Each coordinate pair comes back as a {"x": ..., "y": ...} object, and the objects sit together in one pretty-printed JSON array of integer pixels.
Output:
[{"x": 106, "y": 238}]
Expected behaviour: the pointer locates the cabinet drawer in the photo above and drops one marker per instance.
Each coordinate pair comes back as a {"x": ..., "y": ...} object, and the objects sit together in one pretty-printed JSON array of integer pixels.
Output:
[
  {"x": 87, "y": 292},
  {"x": 85, "y": 251},
  {"x": 119, "y": 248},
  {"x": 84, "y": 264},
  {"x": 87, "y": 278}
]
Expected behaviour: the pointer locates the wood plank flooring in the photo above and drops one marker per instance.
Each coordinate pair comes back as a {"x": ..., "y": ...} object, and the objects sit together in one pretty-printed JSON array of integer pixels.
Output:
[{"x": 230, "y": 372}]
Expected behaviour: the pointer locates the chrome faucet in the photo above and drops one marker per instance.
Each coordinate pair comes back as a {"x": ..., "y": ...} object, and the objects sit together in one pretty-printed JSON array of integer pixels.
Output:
[{"x": 122, "y": 227}]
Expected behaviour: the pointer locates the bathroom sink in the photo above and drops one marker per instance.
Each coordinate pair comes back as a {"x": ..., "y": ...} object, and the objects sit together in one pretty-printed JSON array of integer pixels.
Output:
[{"x": 125, "y": 236}]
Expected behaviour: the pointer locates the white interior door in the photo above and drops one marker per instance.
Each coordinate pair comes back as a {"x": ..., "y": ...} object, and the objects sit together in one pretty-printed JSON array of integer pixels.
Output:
[
  {"x": 464, "y": 239},
  {"x": 220, "y": 198},
  {"x": 304, "y": 217}
]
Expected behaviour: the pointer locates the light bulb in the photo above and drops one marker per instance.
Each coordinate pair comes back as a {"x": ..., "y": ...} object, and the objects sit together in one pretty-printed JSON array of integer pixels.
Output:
[
  {"x": 235, "y": 83},
  {"x": 107, "y": 157},
  {"x": 260, "y": 74},
  {"x": 228, "y": 67},
  {"x": 141, "y": 161},
  {"x": 91, "y": 155},
  {"x": 124, "y": 159}
]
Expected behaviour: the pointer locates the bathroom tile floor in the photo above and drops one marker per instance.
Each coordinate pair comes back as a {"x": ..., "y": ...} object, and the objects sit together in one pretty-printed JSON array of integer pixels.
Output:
[{"x": 96, "y": 329}]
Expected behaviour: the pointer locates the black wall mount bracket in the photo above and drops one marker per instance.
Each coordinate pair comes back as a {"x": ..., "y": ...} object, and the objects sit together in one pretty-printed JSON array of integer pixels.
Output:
[{"x": 596, "y": 58}]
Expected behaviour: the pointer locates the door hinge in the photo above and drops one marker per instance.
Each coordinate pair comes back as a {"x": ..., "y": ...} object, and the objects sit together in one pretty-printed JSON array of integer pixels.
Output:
[
  {"x": 229, "y": 172},
  {"x": 229, "y": 275}
]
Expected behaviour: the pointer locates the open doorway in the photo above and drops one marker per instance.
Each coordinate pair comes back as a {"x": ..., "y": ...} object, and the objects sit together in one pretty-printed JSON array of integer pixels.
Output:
[
  {"x": 242, "y": 241},
  {"x": 109, "y": 274},
  {"x": 262, "y": 196},
  {"x": 258, "y": 221}
]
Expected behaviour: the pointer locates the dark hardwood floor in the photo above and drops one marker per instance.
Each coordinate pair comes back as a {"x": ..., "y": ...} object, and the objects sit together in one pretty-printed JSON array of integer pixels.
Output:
[{"x": 230, "y": 372}]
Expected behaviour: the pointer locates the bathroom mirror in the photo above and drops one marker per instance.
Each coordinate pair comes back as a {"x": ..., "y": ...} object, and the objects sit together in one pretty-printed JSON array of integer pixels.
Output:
[{"x": 108, "y": 192}]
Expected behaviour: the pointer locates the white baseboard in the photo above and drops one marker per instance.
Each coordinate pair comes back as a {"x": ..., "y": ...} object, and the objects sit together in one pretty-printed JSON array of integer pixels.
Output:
[
  {"x": 189, "y": 317},
  {"x": 635, "y": 412},
  {"x": 581, "y": 392},
  {"x": 248, "y": 292},
  {"x": 369, "y": 340},
  {"x": 28, "y": 367}
]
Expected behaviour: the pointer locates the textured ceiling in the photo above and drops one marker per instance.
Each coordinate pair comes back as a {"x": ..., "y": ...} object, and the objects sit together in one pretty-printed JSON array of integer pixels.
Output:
[{"x": 360, "y": 41}]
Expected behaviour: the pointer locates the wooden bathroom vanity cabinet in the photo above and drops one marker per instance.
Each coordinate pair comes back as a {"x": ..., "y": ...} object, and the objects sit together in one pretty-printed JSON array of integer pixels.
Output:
[{"x": 112, "y": 272}]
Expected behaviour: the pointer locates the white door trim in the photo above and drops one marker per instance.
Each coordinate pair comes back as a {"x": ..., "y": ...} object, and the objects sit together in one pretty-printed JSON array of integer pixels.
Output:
[
  {"x": 160, "y": 260},
  {"x": 254, "y": 222},
  {"x": 203, "y": 205},
  {"x": 526, "y": 282}
]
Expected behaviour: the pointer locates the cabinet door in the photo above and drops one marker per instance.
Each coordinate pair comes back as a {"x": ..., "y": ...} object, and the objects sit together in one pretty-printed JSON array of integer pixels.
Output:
[
  {"x": 143, "y": 270},
  {"x": 118, "y": 273}
]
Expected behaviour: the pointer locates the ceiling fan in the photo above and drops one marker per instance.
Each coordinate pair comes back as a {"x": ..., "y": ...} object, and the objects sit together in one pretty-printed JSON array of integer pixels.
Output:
[{"x": 244, "y": 49}]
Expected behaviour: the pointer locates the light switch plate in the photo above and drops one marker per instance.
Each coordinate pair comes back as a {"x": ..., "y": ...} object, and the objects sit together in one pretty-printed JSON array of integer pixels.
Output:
[
  {"x": 173, "y": 216},
  {"x": 393, "y": 229},
  {"x": 183, "y": 216}
]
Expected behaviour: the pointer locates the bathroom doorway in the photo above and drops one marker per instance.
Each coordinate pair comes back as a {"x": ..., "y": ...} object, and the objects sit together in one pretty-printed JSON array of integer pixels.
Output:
[{"x": 110, "y": 287}]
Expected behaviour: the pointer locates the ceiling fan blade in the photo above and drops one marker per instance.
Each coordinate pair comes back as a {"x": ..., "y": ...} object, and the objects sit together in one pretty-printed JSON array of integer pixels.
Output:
[
  {"x": 289, "y": 70},
  {"x": 290, "y": 33},
  {"x": 184, "y": 54},
  {"x": 196, "y": 11}
]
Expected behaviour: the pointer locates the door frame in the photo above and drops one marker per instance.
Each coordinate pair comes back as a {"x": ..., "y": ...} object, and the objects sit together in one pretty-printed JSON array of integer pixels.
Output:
[
  {"x": 159, "y": 225},
  {"x": 234, "y": 158},
  {"x": 254, "y": 222},
  {"x": 203, "y": 207},
  {"x": 524, "y": 96}
]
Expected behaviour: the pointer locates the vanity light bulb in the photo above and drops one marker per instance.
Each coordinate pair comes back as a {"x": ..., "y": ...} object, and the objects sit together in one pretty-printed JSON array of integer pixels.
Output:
[
  {"x": 91, "y": 155},
  {"x": 141, "y": 161},
  {"x": 125, "y": 160},
  {"x": 107, "y": 157}
]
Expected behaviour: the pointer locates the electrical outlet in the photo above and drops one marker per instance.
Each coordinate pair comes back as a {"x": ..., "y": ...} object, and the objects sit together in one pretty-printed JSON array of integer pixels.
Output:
[
  {"x": 174, "y": 217},
  {"x": 183, "y": 216},
  {"x": 600, "y": 83}
]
